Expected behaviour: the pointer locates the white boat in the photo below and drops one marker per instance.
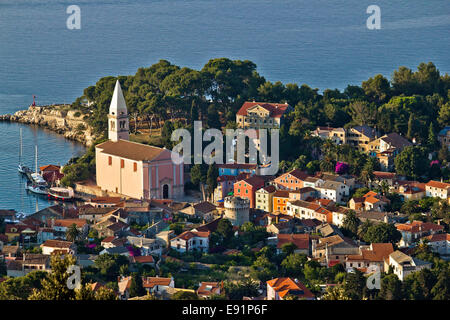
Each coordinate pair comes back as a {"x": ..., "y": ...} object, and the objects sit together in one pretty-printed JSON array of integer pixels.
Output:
[
  {"x": 21, "y": 167},
  {"x": 36, "y": 188},
  {"x": 62, "y": 194},
  {"x": 36, "y": 177}
]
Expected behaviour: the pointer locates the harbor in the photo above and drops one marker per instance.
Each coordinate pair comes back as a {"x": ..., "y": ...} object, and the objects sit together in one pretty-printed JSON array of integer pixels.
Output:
[{"x": 53, "y": 149}]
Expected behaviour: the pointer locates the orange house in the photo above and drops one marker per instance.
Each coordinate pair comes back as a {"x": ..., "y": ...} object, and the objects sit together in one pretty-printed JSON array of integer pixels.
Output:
[
  {"x": 246, "y": 188},
  {"x": 280, "y": 199},
  {"x": 292, "y": 180}
]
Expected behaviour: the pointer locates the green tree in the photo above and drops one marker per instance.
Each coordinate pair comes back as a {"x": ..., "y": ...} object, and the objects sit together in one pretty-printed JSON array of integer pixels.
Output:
[
  {"x": 20, "y": 288},
  {"x": 262, "y": 269},
  {"x": 362, "y": 113},
  {"x": 336, "y": 293},
  {"x": 412, "y": 162},
  {"x": 351, "y": 223},
  {"x": 293, "y": 264},
  {"x": 184, "y": 295},
  {"x": 211, "y": 178},
  {"x": 225, "y": 229},
  {"x": 166, "y": 134},
  {"x": 72, "y": 233},
  {"x": 198, "y": 174},
  {"x": 355, "y": 285},
  {"x": 441, "y": 290},
  {"x": 377, "y": 88},
  {"x": 391, "y": 288},
  {"x": 244, "y": 288},
  {"x": 382, "y": 233},
  {"x": 54, "y": 286},
  {"x": 432, "y": 140},
  {"x": 136, "y": 286}
]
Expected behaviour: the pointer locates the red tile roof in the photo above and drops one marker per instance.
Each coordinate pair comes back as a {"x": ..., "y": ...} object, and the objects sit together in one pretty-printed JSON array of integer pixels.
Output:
[
  {"x": 419, "y": 226},
  {"x": 144, "y": 259},
  {"x": 285, "y": 286},
  {"x": 438, "y": 237},
  {"x": 437, "y": 184},
  {"x": 301, "y": 241},
  {"x": 254, "y": 181},
  {"x": 276, "y": 109},
  {"x": 57, "y": 244},
  {"x": 150, "y": 282},
  {"x": 191, "y": 234}
]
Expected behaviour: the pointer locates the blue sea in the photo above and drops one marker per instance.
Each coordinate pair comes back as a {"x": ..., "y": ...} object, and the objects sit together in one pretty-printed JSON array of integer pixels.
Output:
[{"x": 323, "y": 43}]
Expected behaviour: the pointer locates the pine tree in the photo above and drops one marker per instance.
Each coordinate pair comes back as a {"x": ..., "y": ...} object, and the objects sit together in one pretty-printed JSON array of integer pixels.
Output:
[
  {"x": 211, "y": 178},
  {"x": 411, "y": 127},
  {"x": 431, "y": 137},
  {"x": 136, "y": 286},
  {"x": 194, "y": 111}
]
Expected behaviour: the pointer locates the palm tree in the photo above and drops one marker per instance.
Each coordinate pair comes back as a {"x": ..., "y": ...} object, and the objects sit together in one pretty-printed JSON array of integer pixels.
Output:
[{"x": 72, "y": 233}]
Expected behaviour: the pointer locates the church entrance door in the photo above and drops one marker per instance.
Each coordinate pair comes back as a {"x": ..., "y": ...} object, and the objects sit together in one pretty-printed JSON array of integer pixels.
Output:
[{"x": 165, "y": 191}]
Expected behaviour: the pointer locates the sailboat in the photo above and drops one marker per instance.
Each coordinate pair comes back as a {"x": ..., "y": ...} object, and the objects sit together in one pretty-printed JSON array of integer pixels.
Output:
[
  {"x": 22, "y": 168},
  {"x": 38, "y": 184}
]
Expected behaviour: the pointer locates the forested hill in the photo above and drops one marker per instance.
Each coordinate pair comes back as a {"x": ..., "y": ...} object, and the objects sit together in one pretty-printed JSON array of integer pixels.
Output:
[{"x": 408, "y": 103}]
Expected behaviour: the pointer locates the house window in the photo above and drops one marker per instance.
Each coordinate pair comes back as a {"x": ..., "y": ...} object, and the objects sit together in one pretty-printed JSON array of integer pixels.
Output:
[
  {"x": 135, "y": 167},
  {"x": 110, "y": 161},
  {"x": 122, "y": 163}
]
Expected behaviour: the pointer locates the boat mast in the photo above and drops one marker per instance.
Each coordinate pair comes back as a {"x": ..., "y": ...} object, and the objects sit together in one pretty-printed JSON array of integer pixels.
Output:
[
  {"x": 20, "y": 153},
  {"x": 36, "y": 157}
]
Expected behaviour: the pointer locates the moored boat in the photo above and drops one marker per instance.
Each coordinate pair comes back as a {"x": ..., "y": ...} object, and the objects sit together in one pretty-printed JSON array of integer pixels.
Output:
[
  {"x": 62, "y": 194},
  {"x": 38, "y": 189},
  {"x": 38, "y": 179}
]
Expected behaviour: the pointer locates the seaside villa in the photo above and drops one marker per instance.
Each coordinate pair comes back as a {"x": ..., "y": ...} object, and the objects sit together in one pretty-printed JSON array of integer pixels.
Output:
[{"x": 132, "y": 169}]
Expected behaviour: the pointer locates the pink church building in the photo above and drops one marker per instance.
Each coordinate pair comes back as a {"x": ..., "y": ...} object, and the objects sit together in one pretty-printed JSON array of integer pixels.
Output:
[{"x": 132, "y": 169}]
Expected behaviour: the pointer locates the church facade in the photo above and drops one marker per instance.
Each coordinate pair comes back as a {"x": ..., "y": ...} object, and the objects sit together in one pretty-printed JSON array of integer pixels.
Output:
[{"x": 132, "y": 169}]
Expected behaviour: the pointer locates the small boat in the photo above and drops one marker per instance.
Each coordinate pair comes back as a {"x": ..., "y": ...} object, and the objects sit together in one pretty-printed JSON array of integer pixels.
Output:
[
  {"x": 62, "y": 194},
  {"x": 24, "y": 169},
  {"x": 38, "y": 189}
]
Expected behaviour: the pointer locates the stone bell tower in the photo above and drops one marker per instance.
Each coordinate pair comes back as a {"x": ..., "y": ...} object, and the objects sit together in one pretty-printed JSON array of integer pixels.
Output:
[{"x": 118, "y": 116}]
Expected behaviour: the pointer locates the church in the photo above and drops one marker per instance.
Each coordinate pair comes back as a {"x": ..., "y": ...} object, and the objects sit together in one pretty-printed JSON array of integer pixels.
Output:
[{"x": 132, "y": 169}]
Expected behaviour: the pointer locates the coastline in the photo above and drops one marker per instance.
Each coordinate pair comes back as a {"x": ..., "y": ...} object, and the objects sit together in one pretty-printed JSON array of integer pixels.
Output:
[{"x": 57, "y": 118}]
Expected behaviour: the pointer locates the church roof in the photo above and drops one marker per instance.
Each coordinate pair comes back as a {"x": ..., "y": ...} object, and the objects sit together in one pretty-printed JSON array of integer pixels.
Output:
[
  {"x": 118, "y": 104},
  {"x": 130, "y": 150}
]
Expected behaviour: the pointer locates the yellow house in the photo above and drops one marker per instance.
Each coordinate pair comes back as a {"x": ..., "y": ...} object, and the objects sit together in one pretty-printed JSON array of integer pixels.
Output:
[
  {"x": 264, "y": 198},
  {"x": 361, "y": 136},
  {"x": 257, "y": 115}
]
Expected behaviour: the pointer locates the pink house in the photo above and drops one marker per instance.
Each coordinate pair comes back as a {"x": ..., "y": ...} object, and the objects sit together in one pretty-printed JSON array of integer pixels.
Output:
[{"x": 133, "y": 169}]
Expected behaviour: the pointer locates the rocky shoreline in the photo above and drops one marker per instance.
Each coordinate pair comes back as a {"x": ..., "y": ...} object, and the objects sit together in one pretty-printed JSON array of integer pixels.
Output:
[{"x": 58, "y": 118}]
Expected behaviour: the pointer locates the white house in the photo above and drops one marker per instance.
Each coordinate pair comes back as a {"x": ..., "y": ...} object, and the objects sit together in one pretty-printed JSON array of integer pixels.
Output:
[
  {"x": 191, "y": 241},
  {"x": 437, "y": 189},
  {"x": 334, "y": 190},
  {"x": 146, "y": 245},
  {"x": 60, "y": 246},
  {"x": 158, "y": 285},
  {"x": 439, "y": 243},
  {"x": 404, "y": 265}
]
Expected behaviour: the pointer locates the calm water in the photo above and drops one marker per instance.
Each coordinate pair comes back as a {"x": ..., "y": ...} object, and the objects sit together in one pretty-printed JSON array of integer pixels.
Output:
[{"x": 323, "y": 43}]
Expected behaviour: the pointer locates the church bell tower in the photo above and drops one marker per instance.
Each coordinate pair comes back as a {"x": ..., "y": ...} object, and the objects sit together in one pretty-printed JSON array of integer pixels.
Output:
[{"x": 118, "y": 116}]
